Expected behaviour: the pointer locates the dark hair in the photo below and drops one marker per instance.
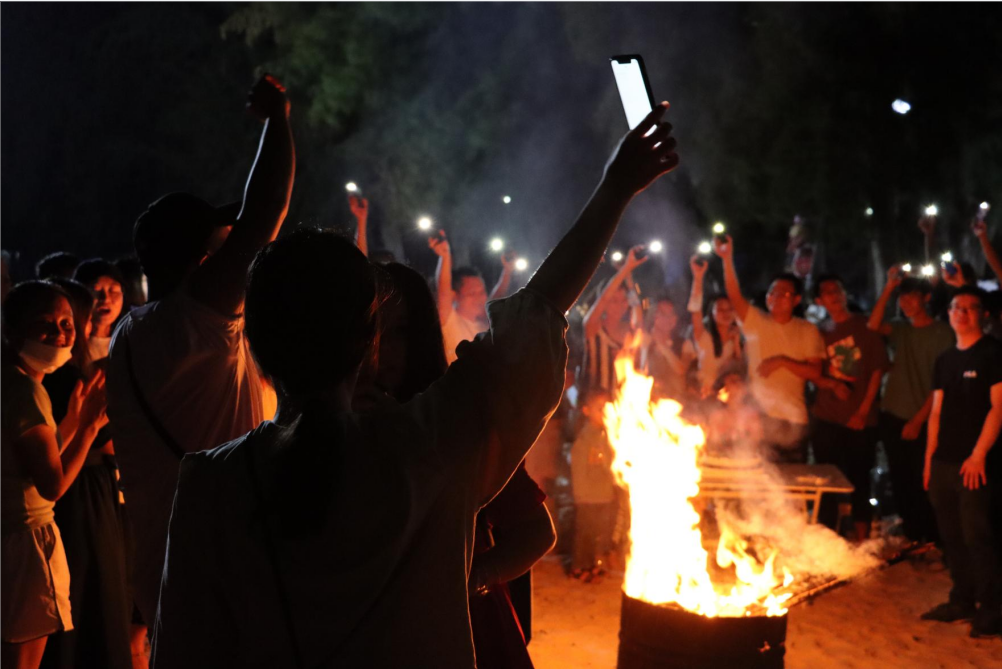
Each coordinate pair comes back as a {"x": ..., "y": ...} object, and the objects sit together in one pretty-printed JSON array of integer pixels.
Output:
[
  {"x": 798, "y": 284},
  {"x": 914, "y": 284},
  {"x": 82, "y": 302},
  {"x": 132, "y": 284},
  {"x": 56, "y": 264},
  {"x": 308, "y": 286},
  {"x": 465, "y": 272},
  {"x": 828, "y": 276},
  {"x": 710, "y": 324},
  {"x": 22, "y": 301},
  {"x": 426, "y": 361},
  {"x": 677, "y": 340},
  {"x": 91, "y": 270},
  {"x": 971, "y": 290}
]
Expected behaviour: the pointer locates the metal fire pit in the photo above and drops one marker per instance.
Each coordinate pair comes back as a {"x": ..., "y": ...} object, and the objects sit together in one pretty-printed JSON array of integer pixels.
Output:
[{"x": 660, "y": 637}]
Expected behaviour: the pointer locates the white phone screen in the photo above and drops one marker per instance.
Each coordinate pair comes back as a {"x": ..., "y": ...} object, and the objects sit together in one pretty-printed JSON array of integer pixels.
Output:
[{"x": 632, "y": 91}]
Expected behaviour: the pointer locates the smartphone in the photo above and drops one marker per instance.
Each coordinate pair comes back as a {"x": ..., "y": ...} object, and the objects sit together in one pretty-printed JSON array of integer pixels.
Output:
[{"x": 634, "y": 87}]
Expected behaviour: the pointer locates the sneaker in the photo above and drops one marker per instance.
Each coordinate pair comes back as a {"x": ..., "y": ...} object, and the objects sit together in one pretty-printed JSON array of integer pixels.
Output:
[
  {"x": 986, "y": 623},
  {"x": 949, "y": 612}
]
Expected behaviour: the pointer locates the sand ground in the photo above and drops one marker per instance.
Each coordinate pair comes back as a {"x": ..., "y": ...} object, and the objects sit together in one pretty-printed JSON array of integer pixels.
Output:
[{"x": 871, "y": 622}]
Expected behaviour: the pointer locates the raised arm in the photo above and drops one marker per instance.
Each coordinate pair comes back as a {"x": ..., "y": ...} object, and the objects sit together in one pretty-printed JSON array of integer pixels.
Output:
[
  {"x": 698, "y": 266},
  {"x": 504, "y": 281},
  {"x": 360, "y": 210},
  {"x": 636, "y": 164},
  {"x": 443, "y": 275},
  {"x": 876, "y": 322},
  {"x": 220, "y": 281},
  {"x": 980, "y": 229},
  {"x": 932, "y": 435},
  {"x": 725, "y": 249},
  {"x": 593, "y": 319}
]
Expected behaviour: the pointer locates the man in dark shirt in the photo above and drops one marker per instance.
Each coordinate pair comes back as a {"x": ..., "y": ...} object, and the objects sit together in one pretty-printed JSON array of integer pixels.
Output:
[{"x": 963, "y": 427}]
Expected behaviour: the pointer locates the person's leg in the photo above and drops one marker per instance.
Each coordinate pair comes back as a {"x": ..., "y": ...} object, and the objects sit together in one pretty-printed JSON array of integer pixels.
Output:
[
  {"x": 944, "y": 494},
  {"x": 860, "y": 453},
  {"x": 926, "y": 523},
  {"x": 901, "y": 471},
  {"x": 585, "y": 536},
  {"x": 26, "y": 655},
  {"x": 980, "y": 538},
  {"x": 828, "y": 445}
]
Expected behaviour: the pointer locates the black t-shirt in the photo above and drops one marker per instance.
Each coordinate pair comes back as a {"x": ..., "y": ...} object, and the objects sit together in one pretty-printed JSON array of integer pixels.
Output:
[{"x": 966, "y": 379}]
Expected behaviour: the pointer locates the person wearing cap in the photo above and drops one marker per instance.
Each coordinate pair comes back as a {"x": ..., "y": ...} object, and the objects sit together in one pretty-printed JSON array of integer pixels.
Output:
[
  {"x": 915, "y": 342},
  {"x": 181, "y": 378}
]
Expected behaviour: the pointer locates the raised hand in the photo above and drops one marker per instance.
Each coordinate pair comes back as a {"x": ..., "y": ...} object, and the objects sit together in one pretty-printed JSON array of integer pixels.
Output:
[
  {"x": 94, "y": 408},
  {"x": 723, "y": 247},
  {"x": 956, "y": 279},
  {"x": 508, "y": 260},
  {"x": 440, "y": 245},
  {"x": 895, "y": 275},
  {"x": 698, "y": 265},
  {"x": 641, "y": 158},
  {"x": 979, "y": 228},
  {"x": 359, "y": 207},
  {"x": 927, "y": 224},
  {"x": 632, "y": 261},
  {"x": 267, "y": 99}
]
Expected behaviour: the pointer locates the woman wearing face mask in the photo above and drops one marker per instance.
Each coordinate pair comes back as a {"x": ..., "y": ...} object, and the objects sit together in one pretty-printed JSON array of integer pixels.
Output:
[
  {"x": 39, "y": 463},
  {"x": 515, "y": 529},
  {"x": 105, "y": 281},
  {"x": 90, "y": 519},
  {"x": 716, "y": 335}
]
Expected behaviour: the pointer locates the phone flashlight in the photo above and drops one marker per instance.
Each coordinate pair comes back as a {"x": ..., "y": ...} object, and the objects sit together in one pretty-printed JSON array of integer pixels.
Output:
[
  {"x": 946, "y": 257},
  {"x": 424, "y": 223},
  {"x": 617, "y": 256},
  {"x": 928, "y": 271},
  {"x": 718, "y": 228},
  {"x": 506, "y": 199},
  {"x": 705, "y": 248},
  {"x": 351, "y": 187},
  {"x": 932, "y": 210},
  {"x": 906, "y": 268},
  {"x": 655, "y": 246},
  {"x": 868, "y": 211},
  {"x": 521, "y": 264},
  {"x": 984, "y": 206},
  {"x": 497, "y": 244}
]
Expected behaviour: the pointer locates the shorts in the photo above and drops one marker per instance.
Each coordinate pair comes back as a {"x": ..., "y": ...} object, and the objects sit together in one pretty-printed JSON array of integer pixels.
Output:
[{"x": 35, "y": 584}]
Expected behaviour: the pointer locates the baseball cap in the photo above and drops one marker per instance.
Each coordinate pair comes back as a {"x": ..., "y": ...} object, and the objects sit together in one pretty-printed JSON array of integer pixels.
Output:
[{"x": 173, "y": 231}]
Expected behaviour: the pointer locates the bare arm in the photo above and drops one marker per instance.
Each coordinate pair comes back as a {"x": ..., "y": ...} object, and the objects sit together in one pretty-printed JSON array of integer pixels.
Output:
[
  {"x": 360, "y": 209},
  {"x": 636, "y": 164},
  {"x": 698, "y": 266},
  {"x": 517, "y": 549},
  {"x": 725, "y": 249},
  {"x": 443, "y": 276},
  {"x": 593, "y": 319},
  {"x": 932, "y": 435},
  {"x": 876, "y": 321},
  {"x": 973, "y": 468},
  {"x": 981, "y": 232},
  {"x": 504, "y": 281},
  {"x": 220, "y": 281},
  {"x": 858, "y": 421}
]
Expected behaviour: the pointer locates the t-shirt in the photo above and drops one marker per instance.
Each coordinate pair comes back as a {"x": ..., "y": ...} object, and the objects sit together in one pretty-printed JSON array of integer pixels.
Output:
[
  {"x": 709, "y": 364},
  {"x": 914, "y": 352},
  {"x": 98, "y": 347},
  {"x": 25, "y": 405},
  {"x": 384, "y": 582},
  {"x": 781, "y": 394},
  {"x": 966, "y": 378},
  {"x": 458, "y": 329},
  {"x": 853, "y": 352},
  {"x": 658, "y": 360},
  {"x": 591, "y": 466},
  {"x": 195, "y": 370},
  {"x": 600, "y": 361}
]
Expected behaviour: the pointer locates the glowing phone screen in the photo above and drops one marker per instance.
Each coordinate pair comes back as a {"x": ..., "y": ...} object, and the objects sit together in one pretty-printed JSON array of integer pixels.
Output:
[{"x": 632, "y": 91}]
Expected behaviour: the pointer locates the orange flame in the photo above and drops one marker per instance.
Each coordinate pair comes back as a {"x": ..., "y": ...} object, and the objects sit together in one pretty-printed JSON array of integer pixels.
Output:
[{"x": 657, "y": 461}]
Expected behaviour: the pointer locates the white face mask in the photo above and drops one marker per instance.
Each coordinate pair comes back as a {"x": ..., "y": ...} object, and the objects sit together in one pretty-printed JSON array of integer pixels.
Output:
[{"x": 43, "y": 358}]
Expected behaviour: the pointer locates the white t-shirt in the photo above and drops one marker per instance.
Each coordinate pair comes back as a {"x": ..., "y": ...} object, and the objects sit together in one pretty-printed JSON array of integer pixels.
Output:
[
  {"x": 709, "y": 364},
  {"x": 781, "y": 395},
  {"x": 457, "y": 329},
  {"x": 194, "y": 368},
  {"x": 383, "y": 583}
]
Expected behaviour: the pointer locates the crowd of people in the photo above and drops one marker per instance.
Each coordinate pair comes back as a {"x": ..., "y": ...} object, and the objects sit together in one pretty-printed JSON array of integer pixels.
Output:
[{"x": 247, "y": 449}]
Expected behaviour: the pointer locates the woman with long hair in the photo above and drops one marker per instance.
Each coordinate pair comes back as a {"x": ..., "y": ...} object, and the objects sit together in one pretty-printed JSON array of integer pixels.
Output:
[
  {"x": 334, "y": 538},
  {"x": 716, "y": 335},
  {"x": 40, "y": 461}
]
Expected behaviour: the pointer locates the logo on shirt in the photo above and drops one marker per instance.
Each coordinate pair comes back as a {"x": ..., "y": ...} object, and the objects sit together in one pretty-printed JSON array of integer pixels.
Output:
[
  {"x": 843, "y": 359},
  {"x": 970, "y": 374}
]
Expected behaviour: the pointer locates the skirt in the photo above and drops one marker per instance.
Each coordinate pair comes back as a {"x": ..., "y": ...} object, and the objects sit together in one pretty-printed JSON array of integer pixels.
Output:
[{"x": 35, "y": 584}]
